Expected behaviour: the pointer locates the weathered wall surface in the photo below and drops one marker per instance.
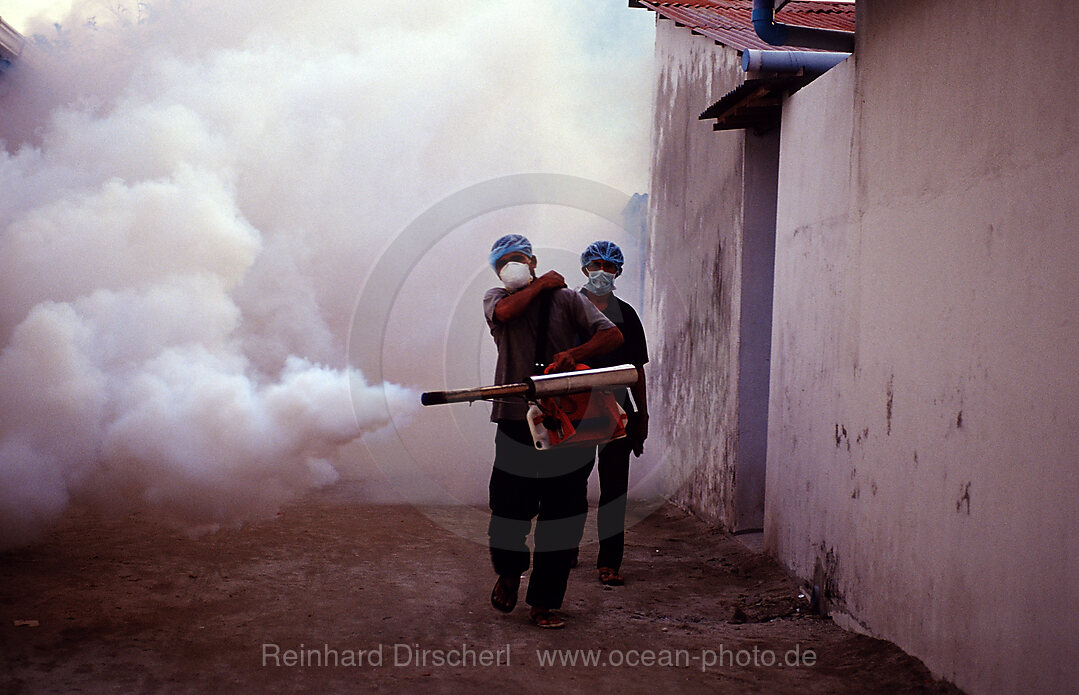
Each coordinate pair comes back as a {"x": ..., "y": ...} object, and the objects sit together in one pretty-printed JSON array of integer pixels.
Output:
[
  {"x": 696, "y": 214},
  {"x": 925, "y": 368}
]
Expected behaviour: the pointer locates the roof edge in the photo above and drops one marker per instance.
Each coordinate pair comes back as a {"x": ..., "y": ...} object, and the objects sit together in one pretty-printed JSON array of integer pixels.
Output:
[{"x": 11, "y": 42}]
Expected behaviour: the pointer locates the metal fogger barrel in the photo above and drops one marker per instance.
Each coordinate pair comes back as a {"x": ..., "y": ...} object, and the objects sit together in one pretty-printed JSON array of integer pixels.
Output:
[{"x": 542, "y": 386}]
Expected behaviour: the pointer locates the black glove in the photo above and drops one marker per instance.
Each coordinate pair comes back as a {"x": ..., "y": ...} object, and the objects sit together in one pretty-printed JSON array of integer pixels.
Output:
[{"x": 637, "y": 432}]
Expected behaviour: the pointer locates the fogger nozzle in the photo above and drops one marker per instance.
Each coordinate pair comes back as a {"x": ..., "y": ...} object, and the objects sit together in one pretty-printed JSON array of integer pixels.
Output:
[{"x": 542, "y": 386}]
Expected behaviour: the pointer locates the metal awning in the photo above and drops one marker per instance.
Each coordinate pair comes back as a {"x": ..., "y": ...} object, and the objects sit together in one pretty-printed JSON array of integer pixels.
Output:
[{"x": 756, "y": 103}]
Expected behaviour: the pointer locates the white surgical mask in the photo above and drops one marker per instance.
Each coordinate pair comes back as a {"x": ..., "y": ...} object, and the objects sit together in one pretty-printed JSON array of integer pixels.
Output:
[
  {"x": 600, "y": 282},
  {"x": 515, "y": 275}
]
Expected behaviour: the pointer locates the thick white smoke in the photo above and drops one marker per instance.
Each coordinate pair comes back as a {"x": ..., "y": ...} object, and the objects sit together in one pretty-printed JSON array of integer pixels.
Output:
[{"x": 191, "y": 194}]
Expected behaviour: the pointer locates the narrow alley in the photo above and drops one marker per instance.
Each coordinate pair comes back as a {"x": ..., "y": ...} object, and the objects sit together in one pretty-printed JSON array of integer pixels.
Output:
[{"x": 340, "y": 596}]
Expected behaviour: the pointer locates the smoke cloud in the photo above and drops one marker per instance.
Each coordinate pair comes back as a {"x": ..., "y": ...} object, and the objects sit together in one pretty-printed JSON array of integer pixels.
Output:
[{"x": 191, "y": 194}]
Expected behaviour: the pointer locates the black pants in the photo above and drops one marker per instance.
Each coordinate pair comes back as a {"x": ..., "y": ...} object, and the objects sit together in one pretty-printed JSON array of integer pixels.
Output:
[
  {"x": 611, "y": 515},
  {"x": 549, "y": 486}
]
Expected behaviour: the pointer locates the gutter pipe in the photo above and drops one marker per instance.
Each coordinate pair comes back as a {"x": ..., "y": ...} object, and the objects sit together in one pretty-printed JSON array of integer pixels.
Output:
[
  {"x": 812, "y": 62},
  {"x": 770, "y": 31}
]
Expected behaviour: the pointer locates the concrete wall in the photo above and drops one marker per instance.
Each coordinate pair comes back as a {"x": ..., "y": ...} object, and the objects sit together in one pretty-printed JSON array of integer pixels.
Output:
[
  {"x": 697, "y": 216},
  {"x": 922, "y": 447}
]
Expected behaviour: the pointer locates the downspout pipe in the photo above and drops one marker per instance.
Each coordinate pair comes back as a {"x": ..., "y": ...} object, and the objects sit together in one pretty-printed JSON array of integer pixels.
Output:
[
  {"x": 771, "y": 31},
  {"x": 789, "y": 62}
]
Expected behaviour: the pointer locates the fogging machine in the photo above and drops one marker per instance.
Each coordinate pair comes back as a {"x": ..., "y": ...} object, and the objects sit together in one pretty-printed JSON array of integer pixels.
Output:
[{"x": 565, "y": 408}]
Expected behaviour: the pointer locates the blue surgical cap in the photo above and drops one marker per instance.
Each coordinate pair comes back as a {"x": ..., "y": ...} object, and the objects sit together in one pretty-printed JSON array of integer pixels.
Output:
[
  {"x": 603, "y": 251},
  {"x": 509, "y": 244}
]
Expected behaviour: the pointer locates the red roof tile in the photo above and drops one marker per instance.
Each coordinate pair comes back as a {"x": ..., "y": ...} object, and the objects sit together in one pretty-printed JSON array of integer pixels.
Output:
[{"x": 730, "y": 21}]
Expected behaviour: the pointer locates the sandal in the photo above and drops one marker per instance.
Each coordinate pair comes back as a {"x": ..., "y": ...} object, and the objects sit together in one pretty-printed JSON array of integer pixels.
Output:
[
  {"x": 609, "y": 577},
  {"x": 504, "y": 595},
  {"x": 548, "y": 620}
]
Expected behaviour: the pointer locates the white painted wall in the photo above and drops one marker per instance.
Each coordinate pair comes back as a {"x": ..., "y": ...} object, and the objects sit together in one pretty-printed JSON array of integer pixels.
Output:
[
  {"x": 696, "y": 256},
  {"x": 695, "y": 210},
  {"x": 925, "y": 377}
]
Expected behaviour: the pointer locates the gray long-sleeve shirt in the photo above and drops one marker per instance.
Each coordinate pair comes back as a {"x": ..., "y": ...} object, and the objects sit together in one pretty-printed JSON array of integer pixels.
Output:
[{"x": 573, "y": 320}]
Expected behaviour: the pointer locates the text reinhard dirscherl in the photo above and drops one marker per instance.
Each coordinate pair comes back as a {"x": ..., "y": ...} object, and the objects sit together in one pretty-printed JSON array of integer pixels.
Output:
[
  {"x": 399, "y": 655},
  {"x": 467, "y": 656}
]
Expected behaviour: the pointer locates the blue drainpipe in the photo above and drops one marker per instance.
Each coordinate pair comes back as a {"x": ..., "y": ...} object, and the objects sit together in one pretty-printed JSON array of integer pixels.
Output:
[
  {"x": 812, "y": 62},
  {"x": 771, "y": 31}
]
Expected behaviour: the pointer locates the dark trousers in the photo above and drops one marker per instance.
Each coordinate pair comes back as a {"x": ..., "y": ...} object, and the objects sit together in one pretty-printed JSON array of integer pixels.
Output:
[
  {"x": 549, "y": 486},
  {"x": 611, "y": 515}
]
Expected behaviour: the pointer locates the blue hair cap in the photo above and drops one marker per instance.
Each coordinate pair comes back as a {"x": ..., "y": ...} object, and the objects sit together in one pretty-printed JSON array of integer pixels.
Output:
[
  {"x": 509, "y": 244},
  {"x": 603, "y": 251}
]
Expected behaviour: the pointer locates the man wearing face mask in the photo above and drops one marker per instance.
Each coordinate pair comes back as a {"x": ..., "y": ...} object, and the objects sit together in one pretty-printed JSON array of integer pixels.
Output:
[
  {"x": 536, "y": 321},
  {"x": 602, "y": 262}
]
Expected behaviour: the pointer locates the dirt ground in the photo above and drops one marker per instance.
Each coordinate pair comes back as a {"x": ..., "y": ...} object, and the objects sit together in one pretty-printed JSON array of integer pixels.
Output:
[{"x": 383, "y": 598}]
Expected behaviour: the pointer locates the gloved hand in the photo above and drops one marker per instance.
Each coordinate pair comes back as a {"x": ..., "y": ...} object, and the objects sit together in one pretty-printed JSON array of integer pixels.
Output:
[
  {"x": 562, "y": 362},
  {"x": 637, "y": 431}
]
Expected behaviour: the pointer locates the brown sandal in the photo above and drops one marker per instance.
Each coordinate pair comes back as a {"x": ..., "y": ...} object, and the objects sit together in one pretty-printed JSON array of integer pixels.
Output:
[
  {"x": 548, "y": 620},
  {"x": 504, "y": 595},
  {"x": 609, "y": 577}
]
